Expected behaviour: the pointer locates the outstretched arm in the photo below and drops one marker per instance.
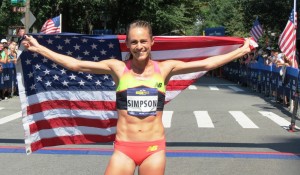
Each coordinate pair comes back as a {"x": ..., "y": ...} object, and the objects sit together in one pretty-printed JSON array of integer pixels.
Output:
[
  {"x": 180, "y": 67},
  {"x": 101, "y": 67}
]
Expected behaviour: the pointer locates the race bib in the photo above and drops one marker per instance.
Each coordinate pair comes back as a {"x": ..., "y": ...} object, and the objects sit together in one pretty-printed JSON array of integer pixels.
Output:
[{"x": 142, "y": 101}]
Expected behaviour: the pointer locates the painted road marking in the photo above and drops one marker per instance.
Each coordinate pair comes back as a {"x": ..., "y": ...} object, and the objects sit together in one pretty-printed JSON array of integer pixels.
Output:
[
  {"x": 10, "y": 117},
  {"x": 242, "y": 119},
  {"x": 1, "y": 108},
  {"x": 203, "y": 119},
  {"x": 192, "y": 87},
  {"x": 277, "y": 119},
  {"x": 236, "y": 89},
  {"x": 169, "y": 153},
  {"x": 213, "y": 88},
  {"x": 167, "y": 118}
]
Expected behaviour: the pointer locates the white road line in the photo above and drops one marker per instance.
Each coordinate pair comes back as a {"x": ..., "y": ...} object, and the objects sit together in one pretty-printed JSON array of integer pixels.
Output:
[
  {"x": 277, "y": 119},
  {"x": 213, "y": 88},
  {"x": 203, "y": 119},
  {"x": 192, "y": 87},
  {"x": 236, "y": 89},
  {"x": 10, "y": 117},
  {"x": 1, "y": 108},
  {"x": 242, "y": 119},
  {"x": 167, "y": 118}
]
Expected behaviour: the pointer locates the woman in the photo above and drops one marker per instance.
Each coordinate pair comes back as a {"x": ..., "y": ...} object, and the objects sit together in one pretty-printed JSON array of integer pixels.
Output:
[{"x": 141, "y": 83}]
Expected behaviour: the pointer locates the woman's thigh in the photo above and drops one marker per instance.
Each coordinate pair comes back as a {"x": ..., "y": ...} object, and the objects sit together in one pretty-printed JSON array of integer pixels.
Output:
[
  {"x": 154, "y": 164},
  {"x": 120, "y": 164}
]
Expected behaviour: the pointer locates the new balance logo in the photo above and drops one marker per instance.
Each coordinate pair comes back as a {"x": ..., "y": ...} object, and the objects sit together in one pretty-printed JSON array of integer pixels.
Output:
[{"x": 152, "y": 148}]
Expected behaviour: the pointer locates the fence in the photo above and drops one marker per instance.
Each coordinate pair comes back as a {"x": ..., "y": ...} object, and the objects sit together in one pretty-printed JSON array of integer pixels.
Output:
[{"x": 270, "y": 80}]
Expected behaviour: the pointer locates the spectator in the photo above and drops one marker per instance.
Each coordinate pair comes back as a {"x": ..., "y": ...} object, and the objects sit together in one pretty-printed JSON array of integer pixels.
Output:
[{"x": 283, "y": 63}]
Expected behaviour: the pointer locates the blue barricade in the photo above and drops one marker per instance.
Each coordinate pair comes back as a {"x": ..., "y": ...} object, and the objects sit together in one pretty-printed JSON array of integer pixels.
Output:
[{"x": 8, "y": 76}]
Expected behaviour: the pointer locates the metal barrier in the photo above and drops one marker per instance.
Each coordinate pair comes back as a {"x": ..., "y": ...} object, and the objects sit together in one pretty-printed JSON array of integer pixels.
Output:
[{"x": 267, "y": 80}]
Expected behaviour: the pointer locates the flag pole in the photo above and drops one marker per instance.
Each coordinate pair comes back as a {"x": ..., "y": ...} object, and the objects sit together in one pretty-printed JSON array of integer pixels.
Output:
[
  {"x": 292, "y": 127},
  {"x": 60, "y": 20}
]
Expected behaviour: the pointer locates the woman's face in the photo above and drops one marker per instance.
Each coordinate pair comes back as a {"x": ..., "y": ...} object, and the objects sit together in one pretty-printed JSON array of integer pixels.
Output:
[{"x": 139, "y": 43}]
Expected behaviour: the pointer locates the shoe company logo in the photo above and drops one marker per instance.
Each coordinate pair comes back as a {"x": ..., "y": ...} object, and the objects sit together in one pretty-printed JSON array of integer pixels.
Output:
[
  {"x": 152, "y": 148},
  {"x": 158, "y": 85}
]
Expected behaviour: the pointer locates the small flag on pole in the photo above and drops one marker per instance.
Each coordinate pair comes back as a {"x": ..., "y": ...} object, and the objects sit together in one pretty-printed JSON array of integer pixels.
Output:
[
  {"x": 287, "y": 40},
  {"x": 52, "y": 26},
  {"x": 256, "y": 31}
]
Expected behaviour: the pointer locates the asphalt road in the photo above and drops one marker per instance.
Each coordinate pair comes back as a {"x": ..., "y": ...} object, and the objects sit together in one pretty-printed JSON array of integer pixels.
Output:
[{"x": 214, "y": 127}]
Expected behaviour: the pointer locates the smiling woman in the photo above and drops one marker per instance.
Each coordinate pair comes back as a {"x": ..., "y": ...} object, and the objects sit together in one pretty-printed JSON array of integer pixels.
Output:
[{"x": 140, "y": 96}]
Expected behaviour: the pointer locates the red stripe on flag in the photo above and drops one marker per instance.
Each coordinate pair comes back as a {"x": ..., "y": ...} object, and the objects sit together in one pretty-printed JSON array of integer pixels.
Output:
[
  {"x": 179, "y": 84},
  {"x": 66, "y": 104},
  {"x": 63, "y": 140},
  {"x": 70, "y": 122}
]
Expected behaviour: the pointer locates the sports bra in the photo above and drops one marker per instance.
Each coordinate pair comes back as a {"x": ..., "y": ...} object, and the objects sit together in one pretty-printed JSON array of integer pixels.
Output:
[{"x": 141, "y": 97}]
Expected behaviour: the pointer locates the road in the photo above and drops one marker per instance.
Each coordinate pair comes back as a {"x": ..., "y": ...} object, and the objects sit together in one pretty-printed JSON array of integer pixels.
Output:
[{"x": 213, "y": 127}]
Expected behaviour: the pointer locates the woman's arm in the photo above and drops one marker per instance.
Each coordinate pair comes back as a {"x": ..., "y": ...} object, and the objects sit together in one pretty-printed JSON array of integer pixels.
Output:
[
  {"x": 101, "y": 67},
  {"x": 174, "y": 67}
]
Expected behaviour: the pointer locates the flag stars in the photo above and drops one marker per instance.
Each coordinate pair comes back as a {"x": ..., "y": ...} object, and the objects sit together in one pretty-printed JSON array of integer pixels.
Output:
[
  {"x": 102, "y": 41},
  {"x": 54, "y": 65},
  {"x": 37, "y": 66},
  {"x": 65, "y": 83},
  {"x": 47, "y": 72},
  {"x": 113, "y": 83},
  {"x": 40, "y": 36},
  {"x": 76, "y": 47},
  {"x": 28, "y": 61},
  {"x": 35, "y": 55},
  {"x": 59, "y": 47},
  {"x": 112, "y": 57},
  {"x": 103, "y": 52},
  {"x": 89, "y": 76},
  {"x": 96, "y": 58},
  {"x": 57, "y": 36},
  {"x": 67, "y": 41},
  {"x": 30, "y": 75},
  {"x": 38, "y": 78},
  {"x": 72, "y": 77},
  {"x": 98, "y": 83},
  {"x": 81, "y": 83},
  {"x": 63, "y": 71},
  {"x": 69, "y": 53},
  {"x": 94, "y": 46},
  {"x": 45, "y": 60},
  {"x": 86, "y": 52},
  {"x": 84, "y": 40},
  {"x": 55, "y": 77},
  {"x": 111, "y": 45},
  {"x": 106, "y": 77},
  {"x": 32, "y": 87},
  {"x": 49, "y": 41},
  {"x": 79, "y": 57},
  {"x": 48, "y": 83}
]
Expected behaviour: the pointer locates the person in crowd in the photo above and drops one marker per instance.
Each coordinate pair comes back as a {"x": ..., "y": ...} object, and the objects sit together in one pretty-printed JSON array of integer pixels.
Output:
[
  {"x": 4, "y": 57},
  {"x": 284, "y": 64},
  {"x": 140, "y": 139}
]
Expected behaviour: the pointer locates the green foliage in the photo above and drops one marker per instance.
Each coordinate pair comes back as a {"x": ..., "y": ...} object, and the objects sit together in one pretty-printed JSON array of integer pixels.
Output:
[{"x": 187, "y": 16}]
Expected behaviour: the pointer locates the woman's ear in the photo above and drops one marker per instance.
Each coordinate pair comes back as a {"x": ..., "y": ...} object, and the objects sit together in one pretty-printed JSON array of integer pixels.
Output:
[{"x": 152, "y": 42}]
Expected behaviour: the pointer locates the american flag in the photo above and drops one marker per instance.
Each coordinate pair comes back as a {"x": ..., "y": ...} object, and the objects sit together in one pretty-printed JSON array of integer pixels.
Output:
[
  {"x": 256, "y": 31},
  {"x": 52, "y": 26},
  {"x": 287, "y": 40},
  {"x": 64, "y": 107}
]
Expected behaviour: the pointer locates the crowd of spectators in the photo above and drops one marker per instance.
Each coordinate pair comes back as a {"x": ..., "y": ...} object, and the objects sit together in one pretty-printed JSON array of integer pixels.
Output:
[{"x": 8, "y": 52}]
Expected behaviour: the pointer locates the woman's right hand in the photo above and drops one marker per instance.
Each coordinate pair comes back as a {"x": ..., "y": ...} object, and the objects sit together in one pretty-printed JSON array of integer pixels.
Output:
[{"x": 31, "y": 43}]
